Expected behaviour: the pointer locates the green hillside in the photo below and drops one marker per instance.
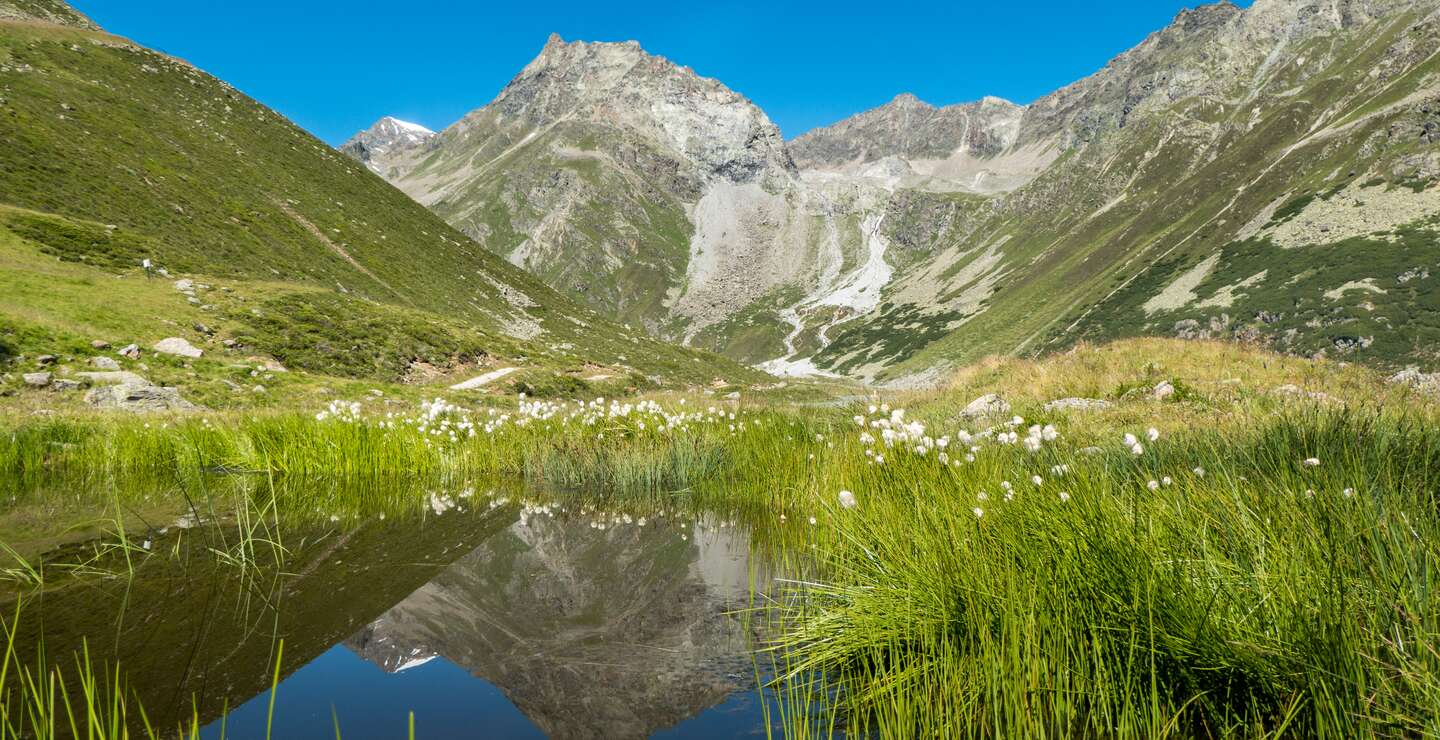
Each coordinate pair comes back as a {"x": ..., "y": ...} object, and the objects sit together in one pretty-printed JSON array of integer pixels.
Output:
[{"x": 111, "y": 154}]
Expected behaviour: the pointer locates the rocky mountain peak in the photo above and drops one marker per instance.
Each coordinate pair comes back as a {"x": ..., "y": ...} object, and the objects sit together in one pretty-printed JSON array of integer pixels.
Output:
[
  {"x": 620, "y": 85},
  {"x": 908, "y": 100},
  {"x": 384, "y": 141}
]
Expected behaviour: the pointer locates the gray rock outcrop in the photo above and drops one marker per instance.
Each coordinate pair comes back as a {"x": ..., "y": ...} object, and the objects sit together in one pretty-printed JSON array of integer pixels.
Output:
[
  {"x": 178, "y": 347},
  {"x": 986, "y": 406},
  {"x": 135, "y": 397}
]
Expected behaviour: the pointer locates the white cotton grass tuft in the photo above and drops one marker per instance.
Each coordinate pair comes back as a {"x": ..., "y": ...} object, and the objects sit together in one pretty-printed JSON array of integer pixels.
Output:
[
  {"x": 847, "y": 500},
  {"x": 1311, "y": 462}
]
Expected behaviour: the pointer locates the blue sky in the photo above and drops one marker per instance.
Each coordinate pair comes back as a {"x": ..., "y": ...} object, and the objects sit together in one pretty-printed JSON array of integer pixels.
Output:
[{"x": 335, "y": 66}]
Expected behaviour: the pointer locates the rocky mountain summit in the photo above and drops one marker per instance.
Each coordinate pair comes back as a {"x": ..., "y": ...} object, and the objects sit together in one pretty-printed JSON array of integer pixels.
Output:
[
  {"x": 390, "y": 138},
  {"x": 1193, "y": 186}
]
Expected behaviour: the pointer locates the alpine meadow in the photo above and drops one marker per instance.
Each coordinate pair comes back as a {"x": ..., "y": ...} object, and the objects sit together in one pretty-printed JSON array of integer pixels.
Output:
[{"x": 609, "y": 410}]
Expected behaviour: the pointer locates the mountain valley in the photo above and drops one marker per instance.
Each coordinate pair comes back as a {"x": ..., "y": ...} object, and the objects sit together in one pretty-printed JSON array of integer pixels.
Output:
[{"x": 1194, "y": 187}]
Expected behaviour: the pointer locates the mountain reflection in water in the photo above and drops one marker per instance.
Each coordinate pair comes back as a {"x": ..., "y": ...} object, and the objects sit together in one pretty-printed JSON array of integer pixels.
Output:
[{"x": 481, "y": 623}]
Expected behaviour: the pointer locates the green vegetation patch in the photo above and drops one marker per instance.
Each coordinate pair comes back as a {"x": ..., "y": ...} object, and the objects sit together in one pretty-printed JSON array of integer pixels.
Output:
[
  {"x": 339, "y": 335},
  {"x": 81, "y": 241}
]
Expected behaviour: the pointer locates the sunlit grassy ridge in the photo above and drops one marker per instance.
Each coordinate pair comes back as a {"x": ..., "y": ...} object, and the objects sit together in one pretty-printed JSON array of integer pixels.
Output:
[{"x": 1257, "y": 557}]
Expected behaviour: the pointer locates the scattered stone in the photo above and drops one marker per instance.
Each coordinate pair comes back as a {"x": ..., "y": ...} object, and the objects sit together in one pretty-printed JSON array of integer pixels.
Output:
[
  {"x": 104, "y": 363},
  {"x": 1411, "y": 377},
  {"x": 732, "y": 396},
  {"x": 62, "y": 384},
  {"x": 985, "y": 406},
  {"x": 100, "y": 344},
  {"x": 130, "y": 397},
  {"x": 258, "y": 389},
  {"x": 45, "y": 360},
  {"x": 130, "y": 350},
  {"x": 37, "y": 380},
  {"x": 229, "y": 343},
  {"x": 1163, "y": 390},
  {"x": 1078, "y": 404},
  {"x": 203, "y": 329},
  {"x": 179, "y": 347}
]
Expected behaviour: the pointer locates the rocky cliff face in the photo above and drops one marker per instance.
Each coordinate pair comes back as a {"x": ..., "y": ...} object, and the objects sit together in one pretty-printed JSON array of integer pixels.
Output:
[
  {"x": 914, "y": 144},
  {"x": 912, "y": 236}
]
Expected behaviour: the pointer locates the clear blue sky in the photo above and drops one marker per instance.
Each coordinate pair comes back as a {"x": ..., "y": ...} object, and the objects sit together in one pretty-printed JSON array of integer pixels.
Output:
[{"x": 335, "y": 66}]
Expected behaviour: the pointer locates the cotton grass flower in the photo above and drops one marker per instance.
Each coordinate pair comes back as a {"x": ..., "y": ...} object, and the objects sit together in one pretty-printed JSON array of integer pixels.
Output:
[
  {"x": 1064, "y": 497},
  {"x": 1153, "y": 485},
  {"x": 1311, "y": 462},
  {"x": 847, "y": 500},
  {"x": 978, "y": 512},
  {"x": 1153, "y": 435}
]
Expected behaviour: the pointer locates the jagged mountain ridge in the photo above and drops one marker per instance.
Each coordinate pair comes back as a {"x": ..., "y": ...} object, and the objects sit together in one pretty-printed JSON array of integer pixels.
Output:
[{"x": 1038, "y": 221}]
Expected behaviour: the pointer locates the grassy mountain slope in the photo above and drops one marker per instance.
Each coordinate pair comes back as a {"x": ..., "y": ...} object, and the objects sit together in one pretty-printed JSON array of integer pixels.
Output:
[
  {"x": 1086, "y": 249},
  {"x": 111, "y": 154}
]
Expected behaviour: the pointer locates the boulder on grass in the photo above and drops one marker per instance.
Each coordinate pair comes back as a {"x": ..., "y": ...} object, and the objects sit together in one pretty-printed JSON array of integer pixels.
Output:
[
  {"x": 986, "y": 406},
  {"x": 131, "y": 397},
  {"x": 37, "y": 380},
  {"x": 178, "y": 347},
  {"x": 104, "y": 363}
]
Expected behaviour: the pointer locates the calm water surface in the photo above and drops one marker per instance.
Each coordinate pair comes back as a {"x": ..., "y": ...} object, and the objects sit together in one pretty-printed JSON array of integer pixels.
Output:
[{"x": 489, "y": 623}]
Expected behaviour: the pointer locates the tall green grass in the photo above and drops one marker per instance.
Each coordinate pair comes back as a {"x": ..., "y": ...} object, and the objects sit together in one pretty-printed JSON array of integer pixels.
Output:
[{"x": 1264, "y": 598}]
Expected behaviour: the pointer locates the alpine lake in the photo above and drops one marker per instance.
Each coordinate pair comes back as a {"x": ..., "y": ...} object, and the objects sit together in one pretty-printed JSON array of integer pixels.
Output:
[{"x": 488, "y": 611}]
